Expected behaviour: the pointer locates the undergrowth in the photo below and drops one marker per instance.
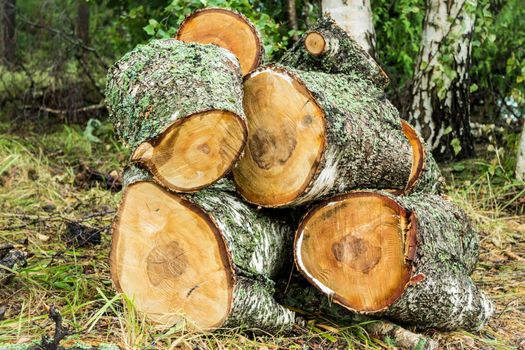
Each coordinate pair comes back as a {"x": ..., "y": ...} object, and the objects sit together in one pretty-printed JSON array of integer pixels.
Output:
[{"x": 40, "y": 194}]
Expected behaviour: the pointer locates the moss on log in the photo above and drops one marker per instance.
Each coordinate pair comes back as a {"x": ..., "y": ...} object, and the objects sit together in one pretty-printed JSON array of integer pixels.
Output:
[
  {"x": 328, "y": 48},
  {"x": 206, "y": 258},
  {"x": 313, "y": 135},
  {"x": 178, "y": 106},
  {"x": 298, "y": 295},
  {"x": 406, "y": 258}
]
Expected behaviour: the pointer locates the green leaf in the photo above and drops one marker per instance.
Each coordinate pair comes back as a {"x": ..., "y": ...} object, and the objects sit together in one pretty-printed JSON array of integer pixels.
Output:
[
  {"x": 458, "y": 167},
  {"x": 474, "y": 87},
  {"x": 448, "y": 130},
  {"x": 456, "y": 145}
]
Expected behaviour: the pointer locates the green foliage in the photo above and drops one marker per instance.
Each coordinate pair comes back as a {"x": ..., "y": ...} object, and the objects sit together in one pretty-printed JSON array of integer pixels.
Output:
[
  {"x": 161, "y": 19},
  {"x": 498, "y": 57},
  {"x": 398, "y": 26}
]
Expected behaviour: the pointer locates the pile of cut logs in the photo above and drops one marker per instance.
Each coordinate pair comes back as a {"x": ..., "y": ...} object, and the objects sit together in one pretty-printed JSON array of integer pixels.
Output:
[{"x": 219, "y": 143}]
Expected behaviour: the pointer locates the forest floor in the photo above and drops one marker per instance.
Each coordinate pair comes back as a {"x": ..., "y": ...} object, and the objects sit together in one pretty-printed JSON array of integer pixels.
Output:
[{"x": 45, "y": 189}]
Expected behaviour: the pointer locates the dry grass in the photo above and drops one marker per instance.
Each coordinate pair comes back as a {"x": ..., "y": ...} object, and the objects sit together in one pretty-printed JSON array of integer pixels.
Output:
[{"x": 39, "y": 195}]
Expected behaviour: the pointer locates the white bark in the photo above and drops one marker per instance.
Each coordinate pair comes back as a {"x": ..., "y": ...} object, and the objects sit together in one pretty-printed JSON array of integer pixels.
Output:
[
  {"x": 439, "y": 96},
  {"x": 355, "y": 17},
  {"x": 520, "y": 161}
]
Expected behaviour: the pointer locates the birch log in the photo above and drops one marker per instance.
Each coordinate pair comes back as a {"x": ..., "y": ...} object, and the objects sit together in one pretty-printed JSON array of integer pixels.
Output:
[
  {"x": 179, "y": 107},
  {"x": 326, "y": 47},
  {"x": 225, "y": 28},
  {"x": 406, "y": 258},
  {"x": 206, "y": 259},
  {"x": 313, "y": 135}
]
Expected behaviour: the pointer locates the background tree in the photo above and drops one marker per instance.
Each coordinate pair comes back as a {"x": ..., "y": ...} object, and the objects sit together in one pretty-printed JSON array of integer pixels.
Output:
[
  {"x": 355, "y": 17},
  {"x": 7, "y": 31},
  {"x": 82, "y": 24},
  {"x": 440, "y": 104}
]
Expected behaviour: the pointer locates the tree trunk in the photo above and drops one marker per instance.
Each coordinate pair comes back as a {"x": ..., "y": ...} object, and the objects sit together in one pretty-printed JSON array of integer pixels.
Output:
[
  {"x": 179, "y": 107},
  {"x": 313, "y": 135},
  {"x": 8, "y": 32},
  {"x": 206, "y": 258},
  {"x": 328, "y": 48},
  {"x": 440, "y": 106},
  {"x": 406, "y": 258},
  {"x": 520, "y": 160},
  {"x": 355, "y": 17},
  {"x": 228, "y": 29},
  {"x": 82, "y": 25}
]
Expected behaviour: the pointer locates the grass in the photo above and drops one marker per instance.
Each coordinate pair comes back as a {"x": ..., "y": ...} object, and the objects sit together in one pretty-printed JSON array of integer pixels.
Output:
[{"x": 39, "y": 195}]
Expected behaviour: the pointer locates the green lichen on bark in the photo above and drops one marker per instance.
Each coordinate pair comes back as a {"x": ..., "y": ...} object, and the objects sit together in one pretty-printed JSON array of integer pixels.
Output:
[
  {"x": 365, "y": 147},
  {"x": 446, "y": 254},
  {"x": 441, "y": 293},
  {"x": 156, "y": 84},
  {"x": 254, "y": 307},
  {"x": 344, "y": 55}
]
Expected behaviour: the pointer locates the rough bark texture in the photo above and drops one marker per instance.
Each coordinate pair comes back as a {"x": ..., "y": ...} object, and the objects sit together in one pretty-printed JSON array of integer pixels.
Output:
[
  {"x": 258, "y": 246},
  {"x": 7, "y": 31},
  {"x": 446, "y": 254},
  {"x": 342, "y": 55},
  {"x": 355, "y": 17},
  {"x": 520, "y": 159},
  {"x": 440, "y": 293},
  {"x": 365, "y": 146},
  {"x": 305, "y": 299},
  {"x": 164, "y": 81},
  {"x": 440, "y": 107}
]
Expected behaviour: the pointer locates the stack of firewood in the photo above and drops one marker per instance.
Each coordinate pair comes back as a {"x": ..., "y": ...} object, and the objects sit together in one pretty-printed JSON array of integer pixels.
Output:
[{"x": 218, "y": 140}]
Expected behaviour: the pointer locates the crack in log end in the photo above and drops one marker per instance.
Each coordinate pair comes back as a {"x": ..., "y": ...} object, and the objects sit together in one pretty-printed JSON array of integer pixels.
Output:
[
  {"x": 191, "y": 290},
  {"x": 271, "y": 148},
  {"x": 357, "y": 253},
  {"x": 355, "y": 250},
  {"x": 166, "y": 262}
]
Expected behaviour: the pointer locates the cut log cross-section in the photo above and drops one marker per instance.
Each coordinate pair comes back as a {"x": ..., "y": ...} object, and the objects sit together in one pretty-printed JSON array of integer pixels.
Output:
[
  {"x": 225, "y": 28},
  {"x": 179, "y": 107},
  {"x": 312, "y": 135},
  {"x": 408, "y": 258},
  {"x": 206, "y": 259},
  {"x": 328, "y": 48}
]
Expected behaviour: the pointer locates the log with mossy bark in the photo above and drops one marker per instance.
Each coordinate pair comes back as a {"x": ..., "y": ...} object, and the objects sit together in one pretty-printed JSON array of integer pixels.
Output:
[
  {"x": 313, "y": 135},
  {"x": 406, "y": 258},
  {"x": 326, "y": 47},
  {"x": 178, "y": 106},
  {"x": 225, "y": 28},
  {"x": 206, "y": 259},
  {"x": 297, "y": 294}
]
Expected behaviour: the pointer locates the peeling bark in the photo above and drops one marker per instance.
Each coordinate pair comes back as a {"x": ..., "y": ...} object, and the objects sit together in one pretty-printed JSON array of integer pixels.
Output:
[{"x": 440, "y": 106}]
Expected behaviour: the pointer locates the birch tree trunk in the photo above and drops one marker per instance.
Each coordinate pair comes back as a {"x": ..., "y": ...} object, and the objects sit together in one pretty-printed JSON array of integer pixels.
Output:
[
  {"x": 355, "y": 17},
  {"x": 520, "y": 162},
  {"x": 440, "y": 107}
]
